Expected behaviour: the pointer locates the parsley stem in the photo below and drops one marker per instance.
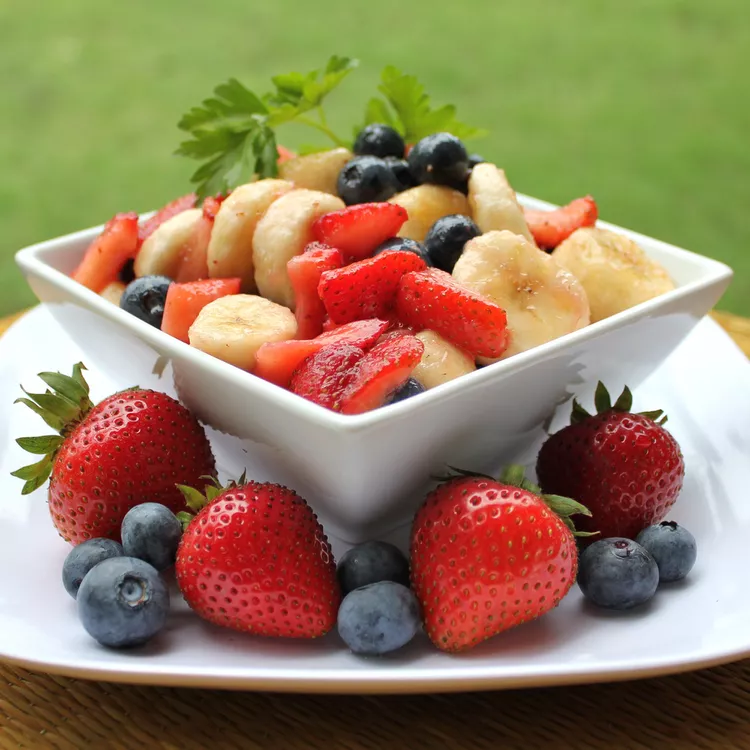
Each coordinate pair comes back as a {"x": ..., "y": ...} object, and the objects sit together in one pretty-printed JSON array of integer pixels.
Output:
[{"x": 323, "y": 129}]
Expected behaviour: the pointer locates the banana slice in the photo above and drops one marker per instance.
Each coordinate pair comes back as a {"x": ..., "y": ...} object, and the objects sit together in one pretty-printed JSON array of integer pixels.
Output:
[
  {"x": 233, "y": 328},
  {"x": 316, "y": 171},
  {"x": 161, "y": 253},
  {"x": 425, "y": 204},
  {"x": 441, "y": 361},
  {"x": 493, "y": 202},
  {"x": 541, "y": 298},
  {"x": 281, "y": 234},
  {"x": 113, "y": 292},
  {"x": 230, "y": 249},
  {"x": 615, "y": 271}
]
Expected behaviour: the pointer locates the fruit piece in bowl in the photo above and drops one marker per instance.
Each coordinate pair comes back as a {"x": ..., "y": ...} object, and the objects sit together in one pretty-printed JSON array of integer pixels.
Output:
[{"x": 363, "y": 470}]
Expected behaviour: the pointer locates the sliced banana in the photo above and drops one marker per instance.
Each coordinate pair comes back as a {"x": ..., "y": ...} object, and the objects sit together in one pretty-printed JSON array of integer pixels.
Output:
[
  {"x": 493, "y": 202},
  {"x": 425, "y": 204},
  {"x": 281, "y": 234},
  {"x": 113, "y": 292},
  {"x": 316, "y": 171},
  {"x": 441, "y": 361},
  {"x": 230, "y": 249},
  {"x": 161, "y": 253},
  {"x": 233, "y": 328},
  {"x": 615, "y": 271},
  {"x": 541, "y": 298}
]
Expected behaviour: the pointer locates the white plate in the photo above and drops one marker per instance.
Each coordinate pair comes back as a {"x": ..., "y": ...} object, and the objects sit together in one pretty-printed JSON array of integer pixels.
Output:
[{"x": 705, "y": 387}]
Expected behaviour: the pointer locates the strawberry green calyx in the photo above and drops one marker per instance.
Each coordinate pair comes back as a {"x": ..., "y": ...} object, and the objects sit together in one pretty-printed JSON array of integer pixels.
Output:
[
  {"x": 603, "y": 403},
  {"x": 565, "y": 507},
  {"x": 62, "y": 406},
  {"x": 197, "y": 500}
]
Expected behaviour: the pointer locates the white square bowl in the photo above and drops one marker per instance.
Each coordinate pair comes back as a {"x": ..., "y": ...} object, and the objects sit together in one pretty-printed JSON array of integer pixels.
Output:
[{"x": 365, "y": 474}]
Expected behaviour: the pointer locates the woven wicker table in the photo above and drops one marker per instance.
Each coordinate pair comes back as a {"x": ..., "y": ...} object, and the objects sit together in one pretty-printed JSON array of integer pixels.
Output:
[{"x": 707, "y": 709}]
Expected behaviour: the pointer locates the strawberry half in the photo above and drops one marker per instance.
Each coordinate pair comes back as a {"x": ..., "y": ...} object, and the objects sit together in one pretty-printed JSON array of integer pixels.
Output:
[
  {"x": 358, "y": 230},
  {"x": 384, "y": 369},
  {"x": 177, "y": 206},
  {"x": 367, "y": 288},
  {"x": 550, "y": 228},
  {"x": 276, "y": 361},
  {"x": 106, "y": 256},
  {"x": 194, "y": 261},
  {"x": 323, "y": 377},
  {"x": 255, "y": 559},
  {"x": 134, "y": 447},
  {"x": 304, "y": 273},
  {"x": 488, "y": 555},
  {"x": 431, "y": 299}
]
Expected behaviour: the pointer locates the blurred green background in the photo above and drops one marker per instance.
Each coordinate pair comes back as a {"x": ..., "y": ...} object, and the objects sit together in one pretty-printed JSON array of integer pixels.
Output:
[{"x": 643, "y": 104}]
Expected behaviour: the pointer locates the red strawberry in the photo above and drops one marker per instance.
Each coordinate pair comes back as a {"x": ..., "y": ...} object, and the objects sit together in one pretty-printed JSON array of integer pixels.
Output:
[
  {"x": 276, "y": 361},
  {"x": 194, "y": 261},
  {"x": 384, "y": 369},
  {"x": 488, "y": 555},
  {"x": 284, "y": 154},
  {"x": 304, "y": 275},
  {"x": 432, "y": 299},
  {"x": 323, "y": 377},
  {"x": 185, "y": 301},
  {"x": 625, "y": 467},
  {"x": 255, "y": 559},
  {"x": 177, "y": 206},
  {"x": 358, "y": 230},
  {"x": 133, "y": 447},
  {"x": 550, "y": 228},
  {"x": 366, "y": 289},
  {"x": 107, "y": 254}
]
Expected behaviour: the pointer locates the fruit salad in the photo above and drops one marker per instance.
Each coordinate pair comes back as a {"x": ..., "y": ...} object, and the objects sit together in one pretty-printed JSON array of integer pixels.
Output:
[
  {"x": 133, "y": 488},
  {"x": 367, "y": 273}
]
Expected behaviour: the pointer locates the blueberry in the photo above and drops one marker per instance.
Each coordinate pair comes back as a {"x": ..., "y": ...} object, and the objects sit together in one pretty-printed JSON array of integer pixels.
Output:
[
  {"x": 366, "y": 179},
  {"x": 617, "y": 573},
  {"x": 672, "y": 546},
  {"x": 446, "y": 239},
  {"x": 475, "y": 159},
  {"x": 85, "y": 556},
  {"x": 123, "y": 602},
  {"x": 440, "y": 159},
  {"x": 372, "y": 562},
  {"x": 404, "y": 243},
  {"x": 379, "y": 140},
  {"x": 145, "y": 297},
  {"x": 151, "y": 532},
  {"x": 401, "y": 171},
  {"x": 127, "y": 272},
  {"x": 378, "y": 618},
  {"x": 412, "y": 387}
]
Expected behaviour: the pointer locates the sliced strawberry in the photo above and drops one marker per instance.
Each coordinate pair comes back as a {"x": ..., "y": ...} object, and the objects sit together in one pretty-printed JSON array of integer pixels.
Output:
[
  {"x": 185, "y": 301},
  {"x": 304, "y": 275},
  {"x": 212, "y": 204},
  {"x": 284, "y": 154},
  {"x": 358, "y": 230},
  {"x": 194, "y": 262},
  {"x": 366, "y": 289},
  {"x": 329, "y": 325},
  {"x": 550, "y": 228},
  {"x": 323, "y": 377},
  {"x": 432, "y": 299},
  {"x": 276, "y": 361},
  {"x": 177, "y": 206},
  {"x": 386, "y": 367},
  {"x": 107, "y": 254}
]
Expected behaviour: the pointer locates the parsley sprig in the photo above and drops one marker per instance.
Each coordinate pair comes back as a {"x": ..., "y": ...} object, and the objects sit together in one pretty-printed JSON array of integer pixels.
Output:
[{"x": 233, "y": 132}]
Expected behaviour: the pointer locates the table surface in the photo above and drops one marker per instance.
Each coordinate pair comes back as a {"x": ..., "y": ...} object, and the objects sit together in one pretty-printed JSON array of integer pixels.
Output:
[{"x": 702, "y": 710}]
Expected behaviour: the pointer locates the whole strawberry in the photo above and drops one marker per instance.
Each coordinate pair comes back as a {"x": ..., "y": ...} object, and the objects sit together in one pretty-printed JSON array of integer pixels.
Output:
[
  {"x": 134, "y": 447},
  {"x": 624, "y": 467},
  {"x": 255, "y": 559},
  {"x": 488, "y": 555}
]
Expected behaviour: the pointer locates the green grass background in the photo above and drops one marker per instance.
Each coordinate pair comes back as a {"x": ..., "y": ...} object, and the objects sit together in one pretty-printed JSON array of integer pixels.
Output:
[{"x": 644, "y": 103}]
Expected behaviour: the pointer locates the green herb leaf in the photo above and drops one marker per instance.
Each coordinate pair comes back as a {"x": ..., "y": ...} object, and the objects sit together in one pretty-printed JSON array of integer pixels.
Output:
[
  {"x": 416, "y": 117},
  {"x": 40, "y": 445}
]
